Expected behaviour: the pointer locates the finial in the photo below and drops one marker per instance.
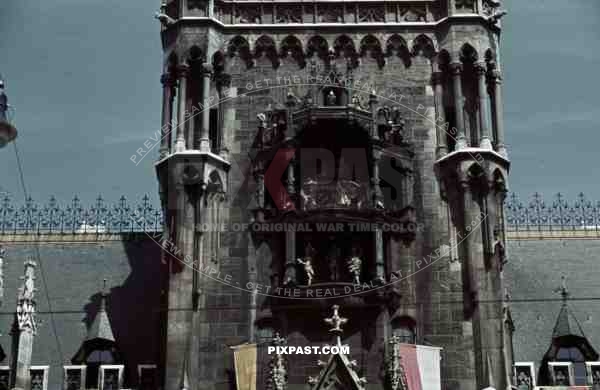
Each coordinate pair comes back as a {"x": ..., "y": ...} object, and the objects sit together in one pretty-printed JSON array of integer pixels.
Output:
[
  {"x": 336, "y": 322},
  {"x": 563, "y": 290},
  {"x": 103, "y": 295}
]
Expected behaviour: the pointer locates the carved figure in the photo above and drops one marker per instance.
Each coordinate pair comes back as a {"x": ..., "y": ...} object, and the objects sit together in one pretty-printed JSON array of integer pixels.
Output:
[
  {"x": 307, "y": 263},
  {"x": 355, "y": 265}
]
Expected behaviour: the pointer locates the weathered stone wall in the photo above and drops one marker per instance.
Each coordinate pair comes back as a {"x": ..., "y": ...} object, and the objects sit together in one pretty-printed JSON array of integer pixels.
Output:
[{"x": 73, "y": 270}]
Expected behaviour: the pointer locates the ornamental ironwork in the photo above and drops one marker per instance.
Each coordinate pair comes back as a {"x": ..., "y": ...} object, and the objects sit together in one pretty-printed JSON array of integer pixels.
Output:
[
  {"x": 74, "y": 218},
  {"x": 557, "y": 214}
]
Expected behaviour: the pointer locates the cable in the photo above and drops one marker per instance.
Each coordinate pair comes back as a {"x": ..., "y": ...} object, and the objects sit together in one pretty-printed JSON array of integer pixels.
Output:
[{"x": 39, "y": 257}]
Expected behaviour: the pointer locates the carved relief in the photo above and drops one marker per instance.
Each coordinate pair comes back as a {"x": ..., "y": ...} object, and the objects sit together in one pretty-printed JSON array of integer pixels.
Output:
[
  {"x": 413, "y": 14},
  {"x": 465, "y": 5},
  {"x": 289, "y": 14},
  {"x": 246, "y": 15},
  {"x": 330, "y": 13},
  {"x": 371, "y": 13}
]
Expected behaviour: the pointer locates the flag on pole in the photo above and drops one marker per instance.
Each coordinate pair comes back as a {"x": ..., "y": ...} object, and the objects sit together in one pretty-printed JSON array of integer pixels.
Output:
[
  {"x": 421, "y": 366},
  {"x": 245, "y": 359}
]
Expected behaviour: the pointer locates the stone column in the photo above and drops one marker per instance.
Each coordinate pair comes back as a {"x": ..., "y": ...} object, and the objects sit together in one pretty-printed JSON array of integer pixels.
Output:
[
  {"x": 484, "y": 136},
  {"x": 379, "y": 256},
  {"x": 168, "y": 83},
  {"x": 440, "y": 114},
  {"x": 375, "y": 181},
  {"x": 461, "y": 139},
  {"x": 183, "y": 72},
  {"x": 205, "y": 128},
  {"x": 496, "y": 81},
  {"x": 290, "y": 258},
  {"x": 373, "y": 107},
  {"x": 24, "y": 330},
  {"x": 228, "y": 115}
]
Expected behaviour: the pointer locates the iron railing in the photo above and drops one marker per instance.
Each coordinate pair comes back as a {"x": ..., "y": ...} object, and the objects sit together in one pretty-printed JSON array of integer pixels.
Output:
[
  {"x": 124, "y": 216},
  {"x": 75, "y": 218},
  {"x": 558, "y": 214}
]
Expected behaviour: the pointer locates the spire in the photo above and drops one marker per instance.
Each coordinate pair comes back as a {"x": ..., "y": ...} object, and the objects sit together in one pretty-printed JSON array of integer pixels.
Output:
[
  {"x": 101, "y": 327},
  {"x": 25, "y": 299},
  {"x": 566, "y": 323},
  {"x": 336, "y": 322},
  {"x": 100, "y": 336}
]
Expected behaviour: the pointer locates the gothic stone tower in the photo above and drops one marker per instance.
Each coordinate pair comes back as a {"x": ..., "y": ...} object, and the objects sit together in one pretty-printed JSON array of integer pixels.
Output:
[{"x": 381, "y": 117}]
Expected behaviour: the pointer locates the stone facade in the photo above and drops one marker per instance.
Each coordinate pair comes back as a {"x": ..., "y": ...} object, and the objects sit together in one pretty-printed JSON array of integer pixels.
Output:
[{"x": 416, "y": 86}]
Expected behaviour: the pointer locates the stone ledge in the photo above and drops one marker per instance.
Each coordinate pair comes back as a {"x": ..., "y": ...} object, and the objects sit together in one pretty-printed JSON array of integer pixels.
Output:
[
  {"x": 562, "y": 234},
  {"x": 73, "y": 237}
]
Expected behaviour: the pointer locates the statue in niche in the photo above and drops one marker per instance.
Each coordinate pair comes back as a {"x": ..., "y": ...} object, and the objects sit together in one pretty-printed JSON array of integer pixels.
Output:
[
  {"x": 307, "y": 263},
  {"x": 355, "y": 265},
  {"x": 331, "y": 99},
  {"x": 499, "y": 250},
  {"x": 332, "y": 261}
]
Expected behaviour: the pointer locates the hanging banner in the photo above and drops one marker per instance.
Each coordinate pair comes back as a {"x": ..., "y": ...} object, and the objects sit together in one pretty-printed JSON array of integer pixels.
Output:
[
  {"x": 421, "y": 366},
  {"x": 245, "y": 360}
]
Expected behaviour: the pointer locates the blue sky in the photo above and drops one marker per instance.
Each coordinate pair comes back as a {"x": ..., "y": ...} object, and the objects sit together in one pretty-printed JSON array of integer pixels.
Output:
[{"x": 84, "y": 78}]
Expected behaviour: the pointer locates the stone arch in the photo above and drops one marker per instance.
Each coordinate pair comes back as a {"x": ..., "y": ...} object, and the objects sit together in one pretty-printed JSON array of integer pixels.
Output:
[
  {"x": 405, "y": 327},
  {"x": 291, "y": 46},
  {"x": 317, "y": 44},
  {"x": 396, "y": 46},
  {"x": 218, "y": 61},
  {"x": 344, "y": 46},
  {"x": 371, "y": 45},
  {"x": 442, "y": 61},
  {"x": 468, "y": 54},
  {"x": 423, "y": 45},
  {"x": 195, "y": 54},
  {"x": 238, "y": 46},
  {"x": 265, "y": 45},
  {"x": 215, "y": 183},
  {"x": 171, "y": 63},
  {"x": 498, "y": 179}
]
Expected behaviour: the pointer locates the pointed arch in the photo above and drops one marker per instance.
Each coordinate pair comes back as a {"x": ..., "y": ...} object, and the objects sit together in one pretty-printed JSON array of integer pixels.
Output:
[
  {"x": 344, "y": 46},
  {"x": 238, "y": 46},
  {"x": 291, "y": 46},
  {"x": 468, "y": 54},
  {"x": 371, "y": 45},
  {"x": 218, "y": 61},
  {"x": 443, "y": 60},
  {"x": 195, "y": 54},
  {"x": 424, "y": 46},
  {"x": 396, "y": 46},
  {"x": 265, "y": 45},
  {"x": 317, "y": 44}
]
